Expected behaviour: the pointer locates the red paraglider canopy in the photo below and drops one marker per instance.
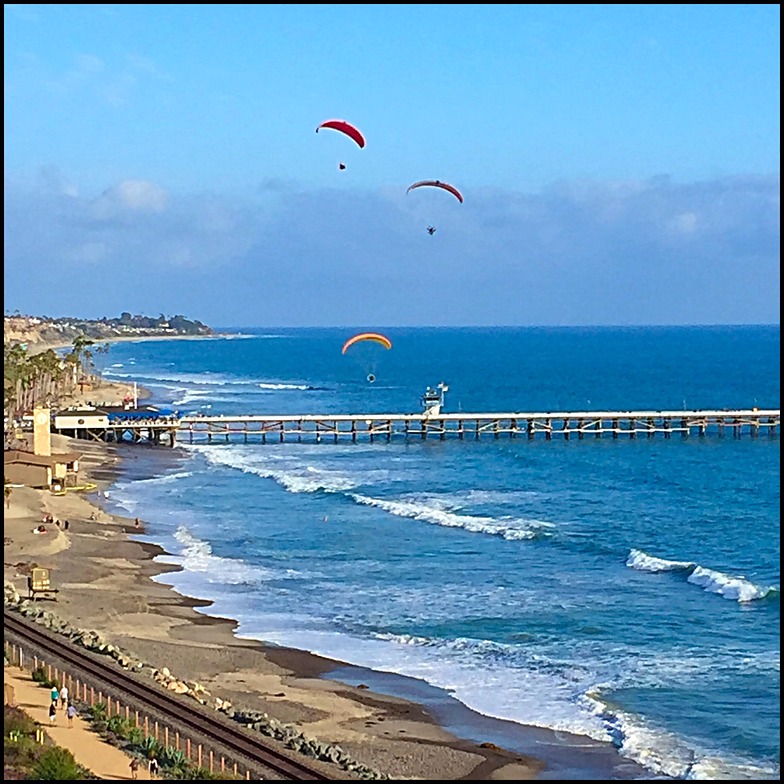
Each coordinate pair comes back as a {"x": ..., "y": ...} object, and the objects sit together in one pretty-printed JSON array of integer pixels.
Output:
[
  {"x": 438, "y": 184},
  {"x": 344, "y": 127}
]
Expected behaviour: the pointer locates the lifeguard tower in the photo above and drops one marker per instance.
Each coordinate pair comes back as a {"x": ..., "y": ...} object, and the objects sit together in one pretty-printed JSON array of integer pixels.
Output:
[
  {"x": 433, "y": 400},
  {"x": 38, "y": 584}
]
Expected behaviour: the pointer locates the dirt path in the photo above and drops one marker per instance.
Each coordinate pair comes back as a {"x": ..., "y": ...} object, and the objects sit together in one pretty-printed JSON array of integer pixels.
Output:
[{"x": 103, "y": 759}]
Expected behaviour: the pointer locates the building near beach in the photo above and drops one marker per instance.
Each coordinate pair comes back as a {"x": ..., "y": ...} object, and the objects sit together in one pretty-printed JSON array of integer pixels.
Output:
[{"x": 53, "y": 472}]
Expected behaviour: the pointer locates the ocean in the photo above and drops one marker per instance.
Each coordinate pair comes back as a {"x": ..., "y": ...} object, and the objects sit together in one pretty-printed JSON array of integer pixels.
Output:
[{"x": 623, "y": 590}]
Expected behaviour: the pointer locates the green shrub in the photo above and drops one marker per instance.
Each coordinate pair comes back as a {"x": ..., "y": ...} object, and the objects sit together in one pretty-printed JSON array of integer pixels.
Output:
[
  {"x": 98, "y": 711},
  {"x": 39, "y": 675},
  {"x": 97, "y": 714},
  {"x": 173, "y": 759},
  {"x": 56, "y": 764},
  {"x": 20, "y": 748},
  {"x": 136, "y": 737},
  {"x": 19, "y": 753},
  {"x": 120, "y": 726},
  {"x": 192, "y": 773},
  {"x": 16, "y": 720},
  {"x": 151, "y": 747}
]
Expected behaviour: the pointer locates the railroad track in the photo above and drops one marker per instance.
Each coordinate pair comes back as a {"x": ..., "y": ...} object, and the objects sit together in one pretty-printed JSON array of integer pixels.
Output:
[{"x": 255, "y": 753}]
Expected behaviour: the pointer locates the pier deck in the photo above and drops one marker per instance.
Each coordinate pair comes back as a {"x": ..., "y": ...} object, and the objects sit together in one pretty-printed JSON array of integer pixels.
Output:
[
  {"x": 315, "y": 428},
  {"x": 531, "y": 425}
]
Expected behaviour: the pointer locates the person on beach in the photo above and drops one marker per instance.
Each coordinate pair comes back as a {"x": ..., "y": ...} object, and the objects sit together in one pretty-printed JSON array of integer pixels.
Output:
[
  {"x": 134, "y": 766},
  {"x": 63, "y": 696},
  {"x": 138, "y": 523},
  {"x": 55, "y": 695},
  {"x": 70, "y": 713},
  {"x": 153, "y": 766},
  {"x": 52, "y": 712}
]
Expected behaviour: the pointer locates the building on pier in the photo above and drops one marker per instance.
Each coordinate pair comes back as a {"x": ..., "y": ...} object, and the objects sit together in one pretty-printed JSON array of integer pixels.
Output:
[{"x": 118, "y": 423}]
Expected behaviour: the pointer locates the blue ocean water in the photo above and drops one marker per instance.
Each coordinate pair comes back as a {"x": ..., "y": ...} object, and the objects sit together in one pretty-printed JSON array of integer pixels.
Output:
[{"x": 626, "y": 590}]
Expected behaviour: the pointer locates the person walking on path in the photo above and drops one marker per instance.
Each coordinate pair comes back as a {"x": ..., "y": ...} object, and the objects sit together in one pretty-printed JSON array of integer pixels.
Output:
[
  {"x": 153, "y": 766},
  {"x": 52, "y": 712},
  {"x": 55, "y": 694},
  {"x": 134, "y": 766},
  {"x": 64, "y": 697},
  {"x": 70, "y": 713}
]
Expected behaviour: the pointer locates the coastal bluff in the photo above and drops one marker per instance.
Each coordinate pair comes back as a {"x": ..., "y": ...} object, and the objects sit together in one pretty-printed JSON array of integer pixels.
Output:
[{"x": 43, "y": 331}]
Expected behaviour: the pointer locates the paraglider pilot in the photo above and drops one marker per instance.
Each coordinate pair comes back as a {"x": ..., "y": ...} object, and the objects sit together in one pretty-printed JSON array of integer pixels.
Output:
[{"x": 431, "y": 230}]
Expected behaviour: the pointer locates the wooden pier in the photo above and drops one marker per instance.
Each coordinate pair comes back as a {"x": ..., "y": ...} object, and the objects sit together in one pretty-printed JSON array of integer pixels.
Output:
[{"x": 335, "y": 428}]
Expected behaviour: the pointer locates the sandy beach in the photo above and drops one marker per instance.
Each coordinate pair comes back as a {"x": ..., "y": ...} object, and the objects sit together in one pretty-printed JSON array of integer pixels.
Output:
[{"x": 105, "y": 584}]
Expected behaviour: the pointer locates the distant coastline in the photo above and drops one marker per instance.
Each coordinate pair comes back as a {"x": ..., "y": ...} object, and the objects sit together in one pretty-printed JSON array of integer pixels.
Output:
[
  {"x": 40, "y": 333},
  {"x": 138, "y": 339}
]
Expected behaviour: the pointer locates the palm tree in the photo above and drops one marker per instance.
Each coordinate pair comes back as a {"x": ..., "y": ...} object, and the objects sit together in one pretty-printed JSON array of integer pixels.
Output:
[
  {"x": 79, "y": 355},
  {"x": 103, "y": 350},
  {"x": 17, "y": 377}
]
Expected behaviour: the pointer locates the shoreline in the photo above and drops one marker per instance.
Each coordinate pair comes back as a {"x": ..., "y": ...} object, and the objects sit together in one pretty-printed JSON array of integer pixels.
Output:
[
  {"x": 110, "y": 581},
  {"x": 106, "y": 582},
  {"x": 37, "y": 347}
]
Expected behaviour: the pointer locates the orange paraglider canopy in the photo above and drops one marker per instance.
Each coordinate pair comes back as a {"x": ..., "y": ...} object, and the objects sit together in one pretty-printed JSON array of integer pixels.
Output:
[{"x": 374, "y": 336}]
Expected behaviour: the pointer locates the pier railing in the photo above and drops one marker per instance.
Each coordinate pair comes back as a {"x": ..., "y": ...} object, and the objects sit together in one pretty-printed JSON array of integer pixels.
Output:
[
  {"x": 544, "y": 425},
  {"x": 547, "y": 425}
]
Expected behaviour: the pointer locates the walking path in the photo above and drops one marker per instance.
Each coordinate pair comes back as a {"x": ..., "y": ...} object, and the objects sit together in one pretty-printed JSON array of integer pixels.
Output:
[{"x": 103, "y": 759}]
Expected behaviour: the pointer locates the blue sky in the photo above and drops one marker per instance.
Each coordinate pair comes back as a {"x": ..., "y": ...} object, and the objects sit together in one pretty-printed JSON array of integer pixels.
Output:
[{"x": 619, "y": 163}]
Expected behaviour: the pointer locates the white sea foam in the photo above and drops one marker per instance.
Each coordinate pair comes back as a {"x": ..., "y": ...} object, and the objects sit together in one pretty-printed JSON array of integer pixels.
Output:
[
  {"x": 647, "y": 563},
  {"x": 717, "y": 768},
  {"x": 507, "y": 527},
  {"x": 280, "y": 386},
  {"x": 667, "y": 754},
  {"x": 499, "y": 496},
  {"x": 211, "y": 380},
  {"x": 735, "y": 588},
  {"x": 730, "y": 587},
  {"x": 166, "y": 479},
  {"x": 476, "y": 672},
  {"x": 197, "y": 558},
  {"x": 192, "y": 396},
  {"x": 297, "y": 477},
  {"x": 531, "y": 696},
  {"x": 200, "y": 379}
]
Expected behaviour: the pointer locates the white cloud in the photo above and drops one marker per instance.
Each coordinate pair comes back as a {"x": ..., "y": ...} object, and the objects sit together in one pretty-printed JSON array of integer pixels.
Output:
[
  {"x": 590, "y": 253},
  {"x": 88, "y": 253},
  {"x": 685, "y": 223},
  {"x": 138, "y": 195}
]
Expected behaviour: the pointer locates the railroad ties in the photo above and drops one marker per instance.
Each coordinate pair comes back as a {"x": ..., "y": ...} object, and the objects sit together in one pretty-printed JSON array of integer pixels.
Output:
[{"x": 550, "y": 425}]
